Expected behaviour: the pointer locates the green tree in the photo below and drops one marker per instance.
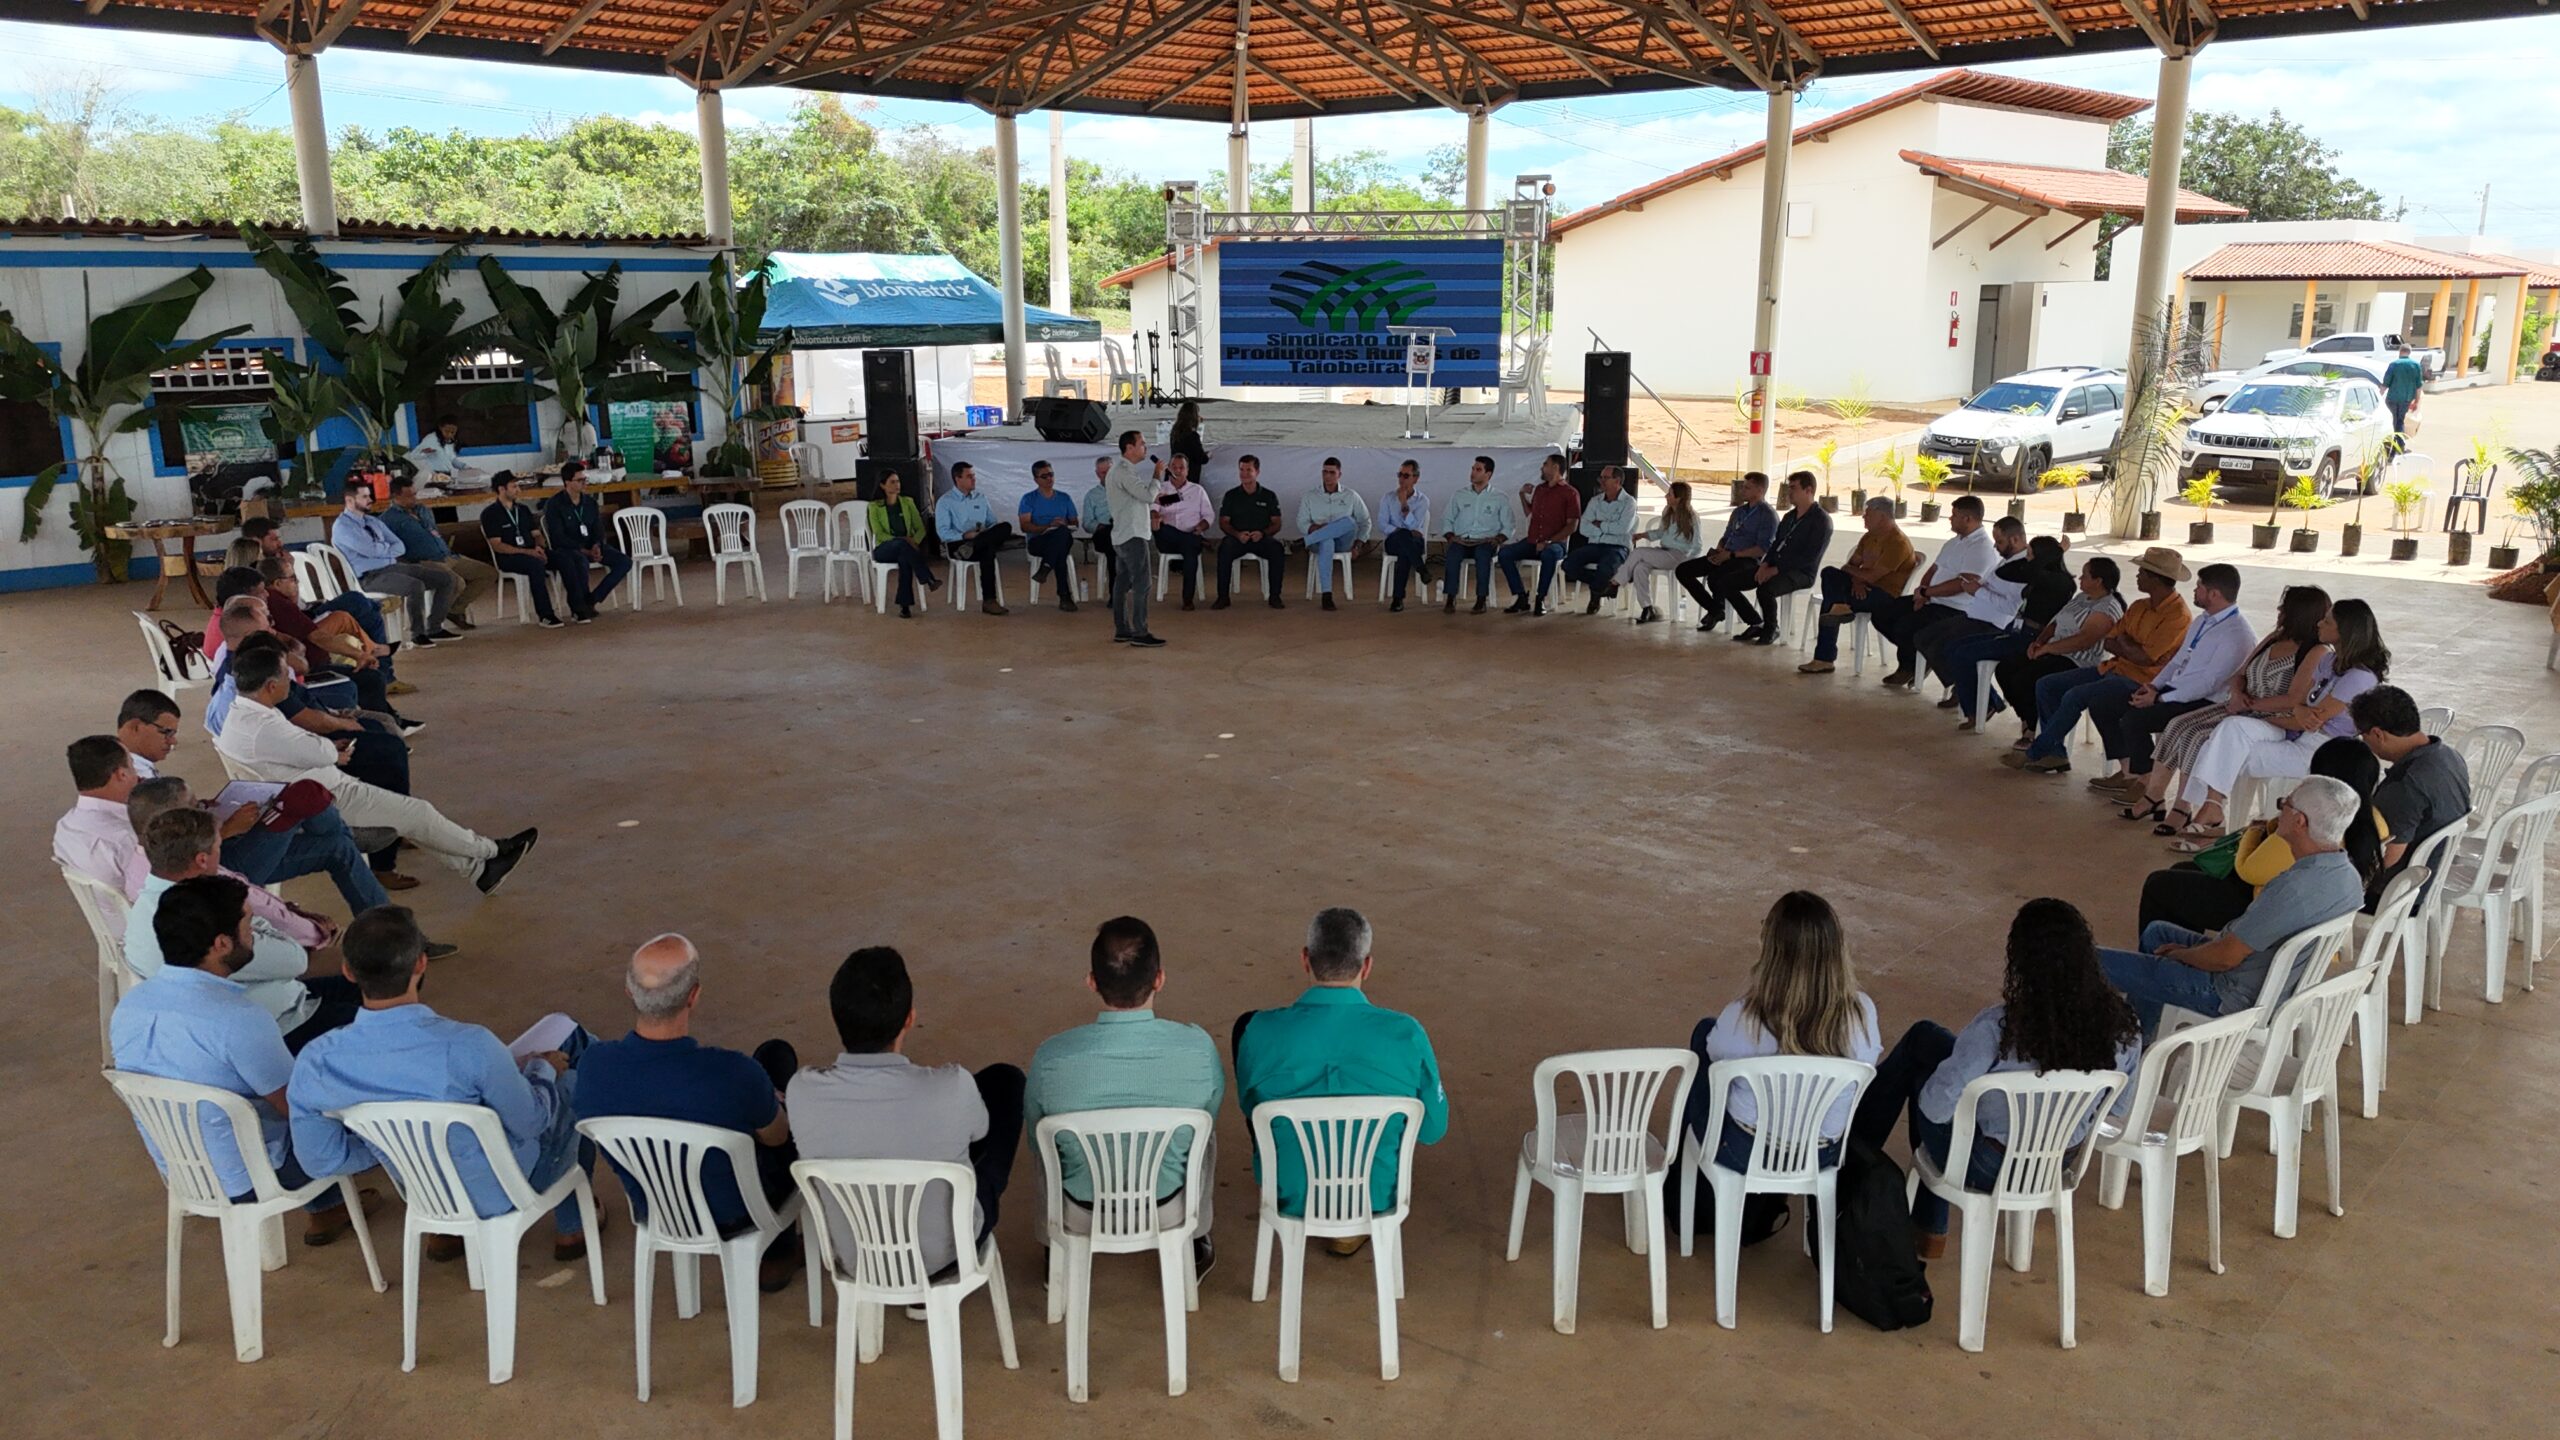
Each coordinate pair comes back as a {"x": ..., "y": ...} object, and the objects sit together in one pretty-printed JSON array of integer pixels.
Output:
[{"x": 2273, "y": 168}]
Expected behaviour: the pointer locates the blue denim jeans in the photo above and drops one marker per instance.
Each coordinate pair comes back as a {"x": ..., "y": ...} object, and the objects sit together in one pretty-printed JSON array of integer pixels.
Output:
[
  {"x": 1479, "y": 554},
  {"x": 1964, "y": 658},
  {"x": 1835, "y": 591},
  {"x": 562, "y": 1144},
  {"x": 1322, "y": 541},
  {"x": 2154, "y": 983},
  {"x": 1549, "y": 556},
  {"x": 2062, "y": 699},
  {"x": 323, "y": 843},
  {"x": 1594, "y": 565}
]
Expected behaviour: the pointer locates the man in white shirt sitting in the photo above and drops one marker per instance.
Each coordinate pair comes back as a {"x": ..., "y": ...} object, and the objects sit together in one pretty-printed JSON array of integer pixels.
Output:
[
  {"x": 1983, "y": 604},
  {"x": 1957, "y": 570},
  {"x": 262, "y": 741},
  {"x": 180, "y": 845}
]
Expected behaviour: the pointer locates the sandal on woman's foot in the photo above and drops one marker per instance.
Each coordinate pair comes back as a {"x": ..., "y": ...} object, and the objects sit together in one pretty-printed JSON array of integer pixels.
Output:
[
  {"x": 2174, "y": 822},
  {"x": 2193, "y": 845},
  {"x": 2147, "y": 810}
]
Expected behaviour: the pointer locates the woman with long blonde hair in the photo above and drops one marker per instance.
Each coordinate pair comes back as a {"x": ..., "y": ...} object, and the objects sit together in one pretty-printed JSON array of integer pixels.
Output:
[
  {"x": 1660, "y": 550},
  {"x": 1802, "y": 999}
]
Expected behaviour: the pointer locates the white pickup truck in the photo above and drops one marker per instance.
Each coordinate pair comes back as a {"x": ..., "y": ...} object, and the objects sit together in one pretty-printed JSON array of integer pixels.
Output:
[{"x": 2374, "y": 346}]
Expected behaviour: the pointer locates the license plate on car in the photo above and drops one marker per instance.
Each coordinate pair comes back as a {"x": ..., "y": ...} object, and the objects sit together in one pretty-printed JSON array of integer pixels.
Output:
[{"x": 2239, "y": 462}]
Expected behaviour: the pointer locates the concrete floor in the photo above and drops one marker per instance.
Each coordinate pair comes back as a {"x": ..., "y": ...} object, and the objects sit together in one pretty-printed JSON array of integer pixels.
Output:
[{"x": 1565, "y": 832}]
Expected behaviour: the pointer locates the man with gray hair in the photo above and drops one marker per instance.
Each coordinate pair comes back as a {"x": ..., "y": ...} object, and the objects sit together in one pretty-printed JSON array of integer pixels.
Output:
[
  {"x": 661, "y": 1072},
  {"x": 1334, "y": 1042},
  {"x": 2221, "y": 974}
]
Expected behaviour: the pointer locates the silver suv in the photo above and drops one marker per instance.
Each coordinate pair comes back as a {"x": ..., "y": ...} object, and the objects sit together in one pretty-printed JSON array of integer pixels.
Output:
[{"x": 2018, "y": 427}]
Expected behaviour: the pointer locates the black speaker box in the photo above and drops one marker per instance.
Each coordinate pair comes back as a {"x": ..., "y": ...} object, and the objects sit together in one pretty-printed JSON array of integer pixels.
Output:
[
  {"x": 890, "y": 431},
  {"x": 911, "y": 479},
  {"x": 1606, "y": 378},
  {"x": 1070, "y": 420}
]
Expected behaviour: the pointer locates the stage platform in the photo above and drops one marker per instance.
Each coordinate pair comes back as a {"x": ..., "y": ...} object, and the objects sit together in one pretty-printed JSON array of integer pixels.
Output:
[{"x": 1291, "y": 438}]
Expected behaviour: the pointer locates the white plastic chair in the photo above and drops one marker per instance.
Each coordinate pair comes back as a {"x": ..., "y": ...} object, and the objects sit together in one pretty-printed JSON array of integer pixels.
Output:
[
  {"x": 732, "y": 528},
  {"x": 2299, "y": 963},
  {"x": 1610, "y": 1148},
  {"x": 804, "y": 537},
  {"x": 1633, "y": 598},
  {"x": 1337, "y": 1141},
  {"x": 414, "y": 1139},
  {"x": 1346, "y": 582},
  {"x": 849, "y": 550},
  {"x": 2039, "y": 1169},
  {"x": 2436, "y": 719},
  {"x": 1529, "y": 382},
  {"x": 2297, "y": 1070},
  {"x": 2503, "y": 881},
  {"x": 644, "y": 539},
  {"x": 1121, "y": 378},
  {"x": 1164, "y": 568},
  {"x": 881, "y": 1204},
  {"x": 325, "y": 575},
  {"x": 2422, "y": 949},
  {"x": 1124, "y": 1151},
  {"x": 2396, "y": 920},
  {"x": 169, "y": 670},
  {"x": 2177, "y": 1110},
  {"x": 105, "y": 909},
  {"x": 1237, "y": 564},
  {"x": 884, "y": 575},
  {"x": 2488, "y": 752},
  {"x": 1073, "y": 577},
  {"x": 662, "y": 1160},
  {"x": 172, "y": 1113},
  {"x": 520, "y": 589},
  {"x": 1057, "y": 382},
  {"x": 963, "y": 575},
  {"x": 1794, "y": 1093}
]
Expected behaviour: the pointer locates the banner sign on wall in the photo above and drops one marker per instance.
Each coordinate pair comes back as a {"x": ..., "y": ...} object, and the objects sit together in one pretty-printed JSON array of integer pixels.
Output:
[
  {"x": 1316, "y": 312},
  {"x": 224, "y": 434}
]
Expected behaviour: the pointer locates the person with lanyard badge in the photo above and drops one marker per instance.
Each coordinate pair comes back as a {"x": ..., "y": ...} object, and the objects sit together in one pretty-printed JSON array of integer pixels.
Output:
[
  {"x": 1331, "y": 518},
  {"x": 574, "y": 525},
  {"x": 970, "y": 531},
  {"x": 1607, "y": 533},
  {"x": 1249, "y": 517},
  {"x": 1405, "y": 519},
  {"x": 1048, "y": 519},
  {"x": 897, "y": 535},
  {"x": 1748, "y": 533},
  {"x": 515, "y": 543}
]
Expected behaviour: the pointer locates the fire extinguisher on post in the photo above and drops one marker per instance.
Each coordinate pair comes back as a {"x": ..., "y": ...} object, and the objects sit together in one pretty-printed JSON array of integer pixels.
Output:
[{"x": 1954, "y": 320}]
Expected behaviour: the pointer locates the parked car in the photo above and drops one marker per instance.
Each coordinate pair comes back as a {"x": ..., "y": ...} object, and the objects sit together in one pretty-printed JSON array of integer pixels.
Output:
[
  {"x": 2019, "y": 426},
  {"x": 2282, "y": 427},
  {"x": 2379, "y": 346},
  {"x": 2219, "y": 385}
]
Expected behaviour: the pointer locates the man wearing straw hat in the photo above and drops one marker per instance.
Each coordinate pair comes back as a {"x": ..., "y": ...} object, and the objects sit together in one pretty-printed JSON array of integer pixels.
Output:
[{"x": 2141, "y": 642}]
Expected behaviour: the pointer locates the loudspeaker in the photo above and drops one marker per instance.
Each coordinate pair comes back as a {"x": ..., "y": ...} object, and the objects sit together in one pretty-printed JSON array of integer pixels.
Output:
[
  {"x": 911, "y": 478},
  {"x": 1605, "y": 379},
  {"x": 1070, "y": 420},
  {"x": 890, "y": 431}
]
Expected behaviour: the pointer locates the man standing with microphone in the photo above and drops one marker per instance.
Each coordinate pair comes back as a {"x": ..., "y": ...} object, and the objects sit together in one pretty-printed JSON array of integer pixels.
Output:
[{"x": 1132, "y": 493}]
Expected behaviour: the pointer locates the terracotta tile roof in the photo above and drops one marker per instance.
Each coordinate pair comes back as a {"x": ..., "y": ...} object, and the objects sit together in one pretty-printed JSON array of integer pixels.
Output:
[
  {"x": 110, "y": 226},
  {"x": 2079, "y": 192},
  {"x": 2539, "y": 274},
  {"x": 1973, "y": 86},
  {"x": 2347, "y": 260}
]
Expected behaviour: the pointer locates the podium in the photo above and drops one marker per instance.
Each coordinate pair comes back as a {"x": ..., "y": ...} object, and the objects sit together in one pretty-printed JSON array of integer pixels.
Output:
[{"x": 1421, "y": 362}]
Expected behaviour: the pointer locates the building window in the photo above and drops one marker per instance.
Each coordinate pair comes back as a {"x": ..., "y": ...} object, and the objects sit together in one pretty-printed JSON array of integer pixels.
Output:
[
  {"x": 31, "y": 440},
  {"x": 489, "y": 430},
  {"x": 216, "y": 409},
  {"x": 2324, "y": 321}
]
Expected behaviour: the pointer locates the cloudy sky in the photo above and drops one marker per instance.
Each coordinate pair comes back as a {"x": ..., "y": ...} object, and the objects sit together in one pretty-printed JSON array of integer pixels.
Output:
[{"x": 2428, "y": 115}]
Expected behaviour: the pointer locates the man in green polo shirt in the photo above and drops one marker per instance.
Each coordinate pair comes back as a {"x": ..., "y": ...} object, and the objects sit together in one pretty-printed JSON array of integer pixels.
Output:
[
  {"x": 1249, "y": 517},
  {"x": 2402, "y": 379},
  {"x": 1334, "y": 1042}
]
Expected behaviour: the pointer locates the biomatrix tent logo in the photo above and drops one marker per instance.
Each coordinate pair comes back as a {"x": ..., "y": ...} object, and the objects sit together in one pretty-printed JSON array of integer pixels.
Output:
[{"x": 1353, "y": 297}]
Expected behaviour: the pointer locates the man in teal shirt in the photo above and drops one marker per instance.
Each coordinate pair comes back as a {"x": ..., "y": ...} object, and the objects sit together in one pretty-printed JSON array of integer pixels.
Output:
[
  {"x": 2401, "y": 381},
  {"x": 1129, "y": 1058},
  {"x": 1334, "y": 1042}
]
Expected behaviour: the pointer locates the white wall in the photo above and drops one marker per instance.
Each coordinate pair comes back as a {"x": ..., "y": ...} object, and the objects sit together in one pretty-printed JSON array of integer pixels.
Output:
[
  {"x": 1863, "y": 299},
  {"x": 51, "y": 283}
]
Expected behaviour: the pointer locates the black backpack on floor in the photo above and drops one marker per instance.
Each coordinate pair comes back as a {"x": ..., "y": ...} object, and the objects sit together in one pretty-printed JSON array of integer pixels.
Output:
[{"x": 1880, "y": 1278}]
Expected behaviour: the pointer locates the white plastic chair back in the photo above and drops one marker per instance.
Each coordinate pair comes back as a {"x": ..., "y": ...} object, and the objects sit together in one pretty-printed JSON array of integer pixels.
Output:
[
  {"x": 1338, "y": 1139},
  {"x": 2436, "y": 719},
  {"x": 2488, "y": 752},
  {"x": 2301, "y": 961},
  {"x": 2301, "y": 1057},
  {"x": 2046, "y": 1110},
  {"x": 2186, "y": 1114},
  {"x": 105, "y": 910},
  {"x": 2506, "y": 885},
  {"x": 880, "y": 1206},
  {"x": 415, "y": 1140},
  {"x": 849, "y": 531},
  {"x": 333, "y": 562},
  {"x": 171, "y": 1114},
  {"x": 1057, "y": 368},
  {"x": 663, "y": 1160},
  {"x": 1124, "y": 1152},
  {"x": 644, "y": 532},
  {"x": 732, "y": 528},
  {"x": 318, "y": 579},
  {"x": 1618, "y": 1147},
  {"x": 804, "y": 527},
  {"x": 169, "y": 670},
  {"x": 1793, "y": 1094}
]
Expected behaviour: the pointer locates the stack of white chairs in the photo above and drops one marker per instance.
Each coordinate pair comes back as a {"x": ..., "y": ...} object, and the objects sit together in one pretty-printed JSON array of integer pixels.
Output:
[
  {"x": 732, "y": 528},
  {"x": 2040, "y": 1167},
  {"x": 1793, "y": 1094},
  {"x": 876, "y": 1261},
  {"x": 2177, "y": 1110},
  {"x": 414, "y": 1139},
  {"x": 804, "y": 538},
  {"x": 172, "y": 1114},
  {"x": 1337, "y": 1141},
  {"x": 1123, "y": 1153},
  {"x": 1609, "y": 1148},
  {"x": 644, "y": 539},
  {"x": 661, "y": 1162},
  {"x": 104, "y": 908}
]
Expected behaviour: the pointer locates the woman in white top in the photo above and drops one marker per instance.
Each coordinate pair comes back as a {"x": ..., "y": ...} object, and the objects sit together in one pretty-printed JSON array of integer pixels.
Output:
[
  {"x": 2056, "y": 1012},
  {"x": 1803, "y": 999},
  {"x": 1660, "y": 550}
]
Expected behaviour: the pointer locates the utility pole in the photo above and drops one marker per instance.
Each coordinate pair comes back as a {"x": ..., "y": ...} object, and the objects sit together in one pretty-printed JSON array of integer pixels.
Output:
[{"x": 2484, "y": 211}]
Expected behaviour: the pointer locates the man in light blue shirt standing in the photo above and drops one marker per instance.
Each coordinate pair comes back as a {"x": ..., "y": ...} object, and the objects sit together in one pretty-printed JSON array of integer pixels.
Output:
[
  {"x": 1405, "y": 521},
  {"x": 1480, "y": 519},
  {"x": 192, "y": 1022},
  {"x": 1331, "y": 518},
  {"x": 1128, "y": 1058},
  {"x": 970, "y": 531},
  {"x": 398, "y": 1049},
  {"x": 375, "y": 553},
  {"x": 1605, "y": 537}
]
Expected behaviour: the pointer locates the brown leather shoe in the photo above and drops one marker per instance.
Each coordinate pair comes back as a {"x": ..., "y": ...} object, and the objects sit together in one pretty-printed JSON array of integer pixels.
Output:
[
  {"x": 442, "y": 1249},
  {"x": 394, "y": 880},
  {"x": 323, "y": 1227},
  {"x": 568, "y": 1248}
]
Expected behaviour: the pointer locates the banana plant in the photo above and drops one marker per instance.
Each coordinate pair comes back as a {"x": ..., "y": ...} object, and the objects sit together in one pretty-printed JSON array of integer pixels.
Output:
[
  {"x": 299, "y": 401},
  {"x": 728, "y": 336},
  {"x": 575, "y": 355},
  {"x": 416, "y": 338},
  {"x": 105, "y": 395}
]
